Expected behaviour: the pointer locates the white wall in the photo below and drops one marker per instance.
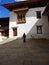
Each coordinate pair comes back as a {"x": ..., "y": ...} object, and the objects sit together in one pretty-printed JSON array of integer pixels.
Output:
[{"x": 30, "y": 26}]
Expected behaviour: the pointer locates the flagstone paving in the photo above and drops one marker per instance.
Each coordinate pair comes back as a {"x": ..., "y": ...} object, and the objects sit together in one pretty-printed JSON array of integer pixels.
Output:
[{"x": 32, "y": 52}]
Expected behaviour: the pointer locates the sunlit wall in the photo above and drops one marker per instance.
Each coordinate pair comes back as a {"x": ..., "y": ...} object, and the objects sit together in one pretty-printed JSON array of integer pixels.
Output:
[{"x": 29, "y": 28}]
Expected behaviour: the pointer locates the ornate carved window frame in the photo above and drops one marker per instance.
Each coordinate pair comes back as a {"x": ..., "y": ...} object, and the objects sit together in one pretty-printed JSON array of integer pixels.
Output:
[{"x": 21, "y": 12}]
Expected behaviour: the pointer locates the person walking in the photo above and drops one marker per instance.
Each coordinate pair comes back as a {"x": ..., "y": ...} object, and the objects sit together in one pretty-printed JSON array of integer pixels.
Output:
[{"x": 24, "y": 37}]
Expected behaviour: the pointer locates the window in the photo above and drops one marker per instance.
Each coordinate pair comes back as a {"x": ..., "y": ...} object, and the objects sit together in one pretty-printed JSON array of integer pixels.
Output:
[
  {"x": 38, "y": 13},
  {"x": 21, "y": 12},
  {"x": 39, "y": 29},
  {"x": 21, "y": 18}
]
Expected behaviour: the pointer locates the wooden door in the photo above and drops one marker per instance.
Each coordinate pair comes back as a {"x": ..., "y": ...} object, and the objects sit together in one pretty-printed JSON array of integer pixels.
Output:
[{"x": 14, "y": 31}]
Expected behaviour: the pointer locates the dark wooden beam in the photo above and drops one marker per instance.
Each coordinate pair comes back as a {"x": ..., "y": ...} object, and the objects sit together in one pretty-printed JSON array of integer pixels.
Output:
[{"x": 28, "y": 3}]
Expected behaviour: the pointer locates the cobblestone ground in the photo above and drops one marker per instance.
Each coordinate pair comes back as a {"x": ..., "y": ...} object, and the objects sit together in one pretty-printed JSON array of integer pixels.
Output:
[{"x": 33, "y": 52}]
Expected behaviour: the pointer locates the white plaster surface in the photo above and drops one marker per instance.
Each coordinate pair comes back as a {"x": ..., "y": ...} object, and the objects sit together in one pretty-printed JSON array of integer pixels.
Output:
[{"x": 29, "y": 28}]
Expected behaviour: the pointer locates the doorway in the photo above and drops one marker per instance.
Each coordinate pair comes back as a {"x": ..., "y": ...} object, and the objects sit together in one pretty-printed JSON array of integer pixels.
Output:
[{"x": 14, "y": 31}]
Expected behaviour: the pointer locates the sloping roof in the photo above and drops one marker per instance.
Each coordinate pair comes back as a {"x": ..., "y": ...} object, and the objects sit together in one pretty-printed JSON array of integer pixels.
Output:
[
  {"x": 29, "y": 3},
  {"x": 4, "y": 19},
  {"x": 46, "y": 11}
]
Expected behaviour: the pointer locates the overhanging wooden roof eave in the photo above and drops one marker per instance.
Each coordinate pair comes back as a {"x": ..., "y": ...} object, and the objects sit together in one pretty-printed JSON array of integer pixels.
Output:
[
  {"x": 4, "y": 19},
  {"x": 46, "y": 9},
  {"x": 11, "y": 6},
  {"x": 30, "y": 4}
]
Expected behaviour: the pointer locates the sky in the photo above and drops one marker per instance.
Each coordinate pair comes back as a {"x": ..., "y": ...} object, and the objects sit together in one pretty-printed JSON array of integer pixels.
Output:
[{"x": 3, "y": 11}]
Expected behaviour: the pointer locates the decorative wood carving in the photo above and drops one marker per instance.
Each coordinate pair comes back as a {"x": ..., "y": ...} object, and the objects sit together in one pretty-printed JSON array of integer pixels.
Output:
[{"x": 21, "y": 12}]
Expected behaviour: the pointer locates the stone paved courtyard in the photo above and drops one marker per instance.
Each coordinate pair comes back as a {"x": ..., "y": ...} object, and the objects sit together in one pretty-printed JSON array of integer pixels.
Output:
[{"x": 33, "y": 52}]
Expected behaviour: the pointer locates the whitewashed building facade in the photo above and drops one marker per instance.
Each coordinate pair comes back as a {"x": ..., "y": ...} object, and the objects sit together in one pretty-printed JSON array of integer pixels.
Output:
[{"x": 33, "y": 23}]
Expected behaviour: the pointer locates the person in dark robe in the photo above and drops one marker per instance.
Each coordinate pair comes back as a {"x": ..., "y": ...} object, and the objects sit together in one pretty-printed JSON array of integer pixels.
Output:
[{"x": 24, "y": 37}]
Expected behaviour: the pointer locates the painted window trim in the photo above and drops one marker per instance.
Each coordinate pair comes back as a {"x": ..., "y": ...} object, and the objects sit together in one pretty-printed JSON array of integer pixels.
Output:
[
  {"x": 39, "y": 31},
  {"x": 21, "y": 18}
]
